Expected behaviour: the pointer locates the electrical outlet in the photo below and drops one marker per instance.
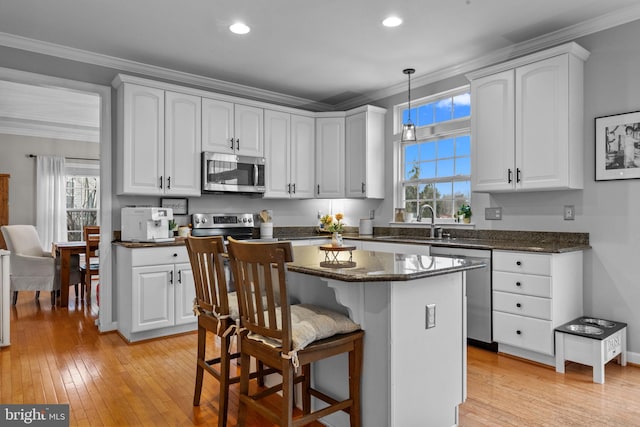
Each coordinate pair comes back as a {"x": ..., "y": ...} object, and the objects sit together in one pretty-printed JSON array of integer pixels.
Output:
[
  {"x": 569, "y": 212},
  {"x": 492, "y": 213},
  {"x": 319, "y": 214},
  {"x": 372, "y": 214},
  {"x": 430, "y": 314}
]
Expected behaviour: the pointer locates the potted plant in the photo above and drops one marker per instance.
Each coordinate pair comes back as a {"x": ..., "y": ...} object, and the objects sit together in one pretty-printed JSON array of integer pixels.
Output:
[{"x": 464, "y": 212}]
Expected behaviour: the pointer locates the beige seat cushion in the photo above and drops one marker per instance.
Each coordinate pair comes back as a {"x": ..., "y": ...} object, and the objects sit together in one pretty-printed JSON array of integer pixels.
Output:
[{"x": 311, "y": 323}]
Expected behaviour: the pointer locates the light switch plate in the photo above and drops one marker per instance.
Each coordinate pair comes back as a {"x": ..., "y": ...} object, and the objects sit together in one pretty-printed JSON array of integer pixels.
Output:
[
  {"x": 493, "y": 213},
  {"x": 430, "y": 316},
  {"x": 569, "y": 212}
]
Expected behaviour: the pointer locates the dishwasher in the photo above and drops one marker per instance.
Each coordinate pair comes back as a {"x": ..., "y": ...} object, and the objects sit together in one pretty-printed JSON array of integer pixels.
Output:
[{"x": 479, "y": 307}]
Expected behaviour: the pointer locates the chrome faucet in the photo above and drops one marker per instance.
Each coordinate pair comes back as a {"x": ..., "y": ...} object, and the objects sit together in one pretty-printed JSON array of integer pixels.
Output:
[{"x": 433, "y": 219}]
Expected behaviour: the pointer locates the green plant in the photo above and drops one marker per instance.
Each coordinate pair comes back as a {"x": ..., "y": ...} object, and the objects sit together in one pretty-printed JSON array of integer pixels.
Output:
[
  {"x": 172, "y": 225},
  {"x": 465, "y": 211}
]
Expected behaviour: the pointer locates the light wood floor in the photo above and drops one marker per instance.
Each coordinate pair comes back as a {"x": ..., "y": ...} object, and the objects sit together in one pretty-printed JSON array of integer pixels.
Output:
[{"x": 57, "y": 356}]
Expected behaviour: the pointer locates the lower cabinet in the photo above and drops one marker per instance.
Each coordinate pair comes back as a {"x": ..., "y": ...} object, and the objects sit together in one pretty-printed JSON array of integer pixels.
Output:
[
  {"x": 155, "y": 292},
  {"x": 533, "y": 293}
]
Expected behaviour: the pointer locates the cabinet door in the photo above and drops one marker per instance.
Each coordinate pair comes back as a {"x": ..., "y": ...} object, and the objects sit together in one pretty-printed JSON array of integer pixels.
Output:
[
  {"x": 217, "y": 126},
  {"x": 249, "y": 131},
  {"x": 492, "y": 130},
  {"x": 542, "y": 123},
  {"x": 356, "y": 155},
  {"x": 152, "y": 297},
  {"x": 302, "y": 157},
  {"x": 142, "y": 140},
  {"x": 330, "y": 157},
  {"x": 277, "y": 130},
  {"x": 184, "y": 291},
  {"x": 182, "y": 144}
]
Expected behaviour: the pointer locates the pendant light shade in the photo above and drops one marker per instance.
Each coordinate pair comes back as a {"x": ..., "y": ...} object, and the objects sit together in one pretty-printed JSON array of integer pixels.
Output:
[{"x": 408, "y": 129}]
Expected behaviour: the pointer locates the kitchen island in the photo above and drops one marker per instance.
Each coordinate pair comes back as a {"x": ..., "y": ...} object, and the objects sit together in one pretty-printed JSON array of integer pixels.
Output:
[{"x": 413, "y": 311}]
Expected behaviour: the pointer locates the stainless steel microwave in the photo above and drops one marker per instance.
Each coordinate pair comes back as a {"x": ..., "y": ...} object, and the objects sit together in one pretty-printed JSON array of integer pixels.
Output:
[{"x": 231, "y": 173}]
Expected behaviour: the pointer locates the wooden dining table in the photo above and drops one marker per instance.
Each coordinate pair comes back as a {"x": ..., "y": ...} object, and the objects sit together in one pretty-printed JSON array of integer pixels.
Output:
[{"x": 64, "y": 250}]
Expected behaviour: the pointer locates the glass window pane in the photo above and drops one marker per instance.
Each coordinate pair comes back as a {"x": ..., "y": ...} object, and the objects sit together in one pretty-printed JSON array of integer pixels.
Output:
[
  {"x": 445, "y": 167},
  {"x": 444, "y": 110},
  {"x": 411, "y": 207},
  {"x": 445, "y": 148},
  {"x": 463, "y": 166},
  {"x": 428, "y": 151},
  {"x": 463, "y": 145},
  {"x": 462, "y": 105},
  {"x": 412, "y": 171},
  {"x": 411, "y": 153},
  {"x": 444, "y": 208},
  {"x": 444, "y": 190},
  {"x": 426, "y": 192},
  {"x": 425, "y": 115},
  {"x": 410, "y": 192},
  {"x": 427, "y": 170},
  {"x": 462, "y": 190},
  {"x": 405, "y": 116}
]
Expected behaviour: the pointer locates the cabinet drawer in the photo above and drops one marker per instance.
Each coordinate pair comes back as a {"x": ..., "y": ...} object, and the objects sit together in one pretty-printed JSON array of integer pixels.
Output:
[
  {"x": 524, "y": 332},
  {"x": 159, "y": 255},
  {"x": 525, "y": 284},
  {"x": 522, "y": 262},
  {"x": 524, "y": 305}
]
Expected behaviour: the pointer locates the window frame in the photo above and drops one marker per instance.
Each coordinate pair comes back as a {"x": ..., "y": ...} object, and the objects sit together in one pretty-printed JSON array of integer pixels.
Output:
[
  {"x": 88, "y": 169},
  {"x": 432, "y": 132}
]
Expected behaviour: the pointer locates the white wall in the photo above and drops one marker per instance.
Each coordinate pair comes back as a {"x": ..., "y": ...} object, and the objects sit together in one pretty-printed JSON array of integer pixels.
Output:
[{"x": 22, "y": 184}]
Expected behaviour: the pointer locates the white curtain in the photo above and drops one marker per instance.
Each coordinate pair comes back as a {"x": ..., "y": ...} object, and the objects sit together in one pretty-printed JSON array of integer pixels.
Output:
[{"x": 51, "y": 214}]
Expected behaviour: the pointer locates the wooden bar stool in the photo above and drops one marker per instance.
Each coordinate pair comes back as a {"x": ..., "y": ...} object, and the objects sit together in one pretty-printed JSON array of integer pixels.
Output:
[
  {"x": 217, "y": 311},
  {"x": 288, "y": 336}
]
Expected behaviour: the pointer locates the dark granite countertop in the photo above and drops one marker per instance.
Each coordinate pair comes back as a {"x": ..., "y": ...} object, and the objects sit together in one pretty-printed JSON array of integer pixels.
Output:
[
  {"x": 179, "y": 241},
  {"x": 370, "y": 266}
]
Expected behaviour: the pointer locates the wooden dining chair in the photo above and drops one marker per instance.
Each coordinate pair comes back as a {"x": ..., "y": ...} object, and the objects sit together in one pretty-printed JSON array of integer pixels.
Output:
[
  {"x": 91, "y": 265},
  {"x": 287, "y": 336},
  {"x": 217, "y": 311}
]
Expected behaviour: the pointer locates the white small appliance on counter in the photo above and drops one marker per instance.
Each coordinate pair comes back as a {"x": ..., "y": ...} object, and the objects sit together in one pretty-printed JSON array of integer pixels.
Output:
[{"x": 146, "y": 224}]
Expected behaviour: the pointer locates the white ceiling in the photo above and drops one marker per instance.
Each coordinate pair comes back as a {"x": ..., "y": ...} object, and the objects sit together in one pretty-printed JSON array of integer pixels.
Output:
[{"x": 330, "y": 52}]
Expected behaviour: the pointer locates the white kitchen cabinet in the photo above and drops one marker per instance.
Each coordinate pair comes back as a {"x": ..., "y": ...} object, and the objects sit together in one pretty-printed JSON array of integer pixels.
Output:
[
  {"x": 527, "y": 122},
  {"x": 155, "y": 292},
  {"x": 533, "y": 293},
  {"x": 289, "y": 154},
  {"x": 183, "y": 144},
  {"x": 159, "y": 145},
  {"x": 364, "y": 176},
  {"x": 330, "y": 157},
  {"x": 232, "y": 128}
]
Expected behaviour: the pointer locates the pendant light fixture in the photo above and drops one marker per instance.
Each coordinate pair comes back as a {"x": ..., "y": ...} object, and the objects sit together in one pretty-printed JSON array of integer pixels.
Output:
[{"x": 408, "y": 129}]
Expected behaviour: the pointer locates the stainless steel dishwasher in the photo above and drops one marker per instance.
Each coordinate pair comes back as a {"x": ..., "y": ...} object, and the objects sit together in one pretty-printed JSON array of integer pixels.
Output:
[{"x": 479, "y": 307}]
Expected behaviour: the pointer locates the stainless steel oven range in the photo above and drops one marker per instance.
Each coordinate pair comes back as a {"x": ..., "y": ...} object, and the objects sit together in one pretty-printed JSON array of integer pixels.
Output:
[{"x": 237, "y": 225}]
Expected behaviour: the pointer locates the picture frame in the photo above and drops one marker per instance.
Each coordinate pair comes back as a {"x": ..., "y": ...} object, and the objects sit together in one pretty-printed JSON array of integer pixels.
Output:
[
  {"x": 179, "y": 206},
  {"x": 617, "y": 146}
]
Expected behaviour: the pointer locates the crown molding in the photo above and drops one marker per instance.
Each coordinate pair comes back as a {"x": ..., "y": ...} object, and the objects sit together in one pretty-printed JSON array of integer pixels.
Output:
[
  {"x": 564, "y": 35},
  {"x": 65, "y": 52},
  {"x": 42, "y": 129},
  {"x": 545, "y": 41}
]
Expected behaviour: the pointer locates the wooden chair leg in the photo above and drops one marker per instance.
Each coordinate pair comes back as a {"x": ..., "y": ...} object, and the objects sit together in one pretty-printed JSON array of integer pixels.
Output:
[
  {"x": 53, "y": 298},
  {"x": 288, "y": 374},
  {"x": 75, "y": 289},
  {"x": 355, "y": 376},
  {"x": 245, "y": 360},
  {"x": 306, "y": 386},
  {"x": 202, "y": 343},
  {"x": 15, "y": 297},
  {"x": 223, "y": 403},
  {"x": 37, "y": 294}
]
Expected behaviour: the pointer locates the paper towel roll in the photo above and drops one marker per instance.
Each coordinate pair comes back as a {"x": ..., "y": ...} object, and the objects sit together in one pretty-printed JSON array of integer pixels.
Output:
[{"x": 366, "y": 227}]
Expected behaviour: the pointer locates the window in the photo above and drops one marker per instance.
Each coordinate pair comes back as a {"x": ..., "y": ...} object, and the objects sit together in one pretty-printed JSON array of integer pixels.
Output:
[
  {"x": 83, "y": 197},
  {"x": 436, "y": 170}
]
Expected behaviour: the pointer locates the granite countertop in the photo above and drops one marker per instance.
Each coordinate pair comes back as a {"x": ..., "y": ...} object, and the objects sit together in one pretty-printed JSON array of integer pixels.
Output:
[
  {"x": 370, "y": 266},
  {"x": 179, "y": 241}
]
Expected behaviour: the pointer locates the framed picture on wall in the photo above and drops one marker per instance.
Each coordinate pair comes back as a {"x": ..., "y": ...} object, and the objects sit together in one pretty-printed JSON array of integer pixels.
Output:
[
  {"x": 618, "y": 146},
  {"x": 179, "y": 206}
]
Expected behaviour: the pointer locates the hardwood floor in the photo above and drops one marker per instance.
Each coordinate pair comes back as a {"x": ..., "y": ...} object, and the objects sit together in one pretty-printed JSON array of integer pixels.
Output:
[{"x": 57, "y": 356}]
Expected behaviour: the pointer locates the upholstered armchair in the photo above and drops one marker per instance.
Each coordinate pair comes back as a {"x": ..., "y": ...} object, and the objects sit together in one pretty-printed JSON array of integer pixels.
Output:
[{"x": 32, "y": 268}]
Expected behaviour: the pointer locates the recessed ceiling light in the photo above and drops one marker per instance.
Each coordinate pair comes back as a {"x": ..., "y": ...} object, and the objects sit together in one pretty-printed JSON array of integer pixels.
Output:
[
  {"x": 239, "y": 28},
  {"x": 392, "y": 21}
]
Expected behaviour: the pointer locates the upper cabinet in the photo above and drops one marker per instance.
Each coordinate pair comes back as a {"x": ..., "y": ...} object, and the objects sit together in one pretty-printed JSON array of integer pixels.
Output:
[
  {"x": 232, "y": 128},
  {"x": 289, "y": 153},
  {"x": 527, "y": 122},
  {"x": 365, "y": 152},
  {"x": 330, "y": 157},
  {"x": 159, "y": 144}
]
